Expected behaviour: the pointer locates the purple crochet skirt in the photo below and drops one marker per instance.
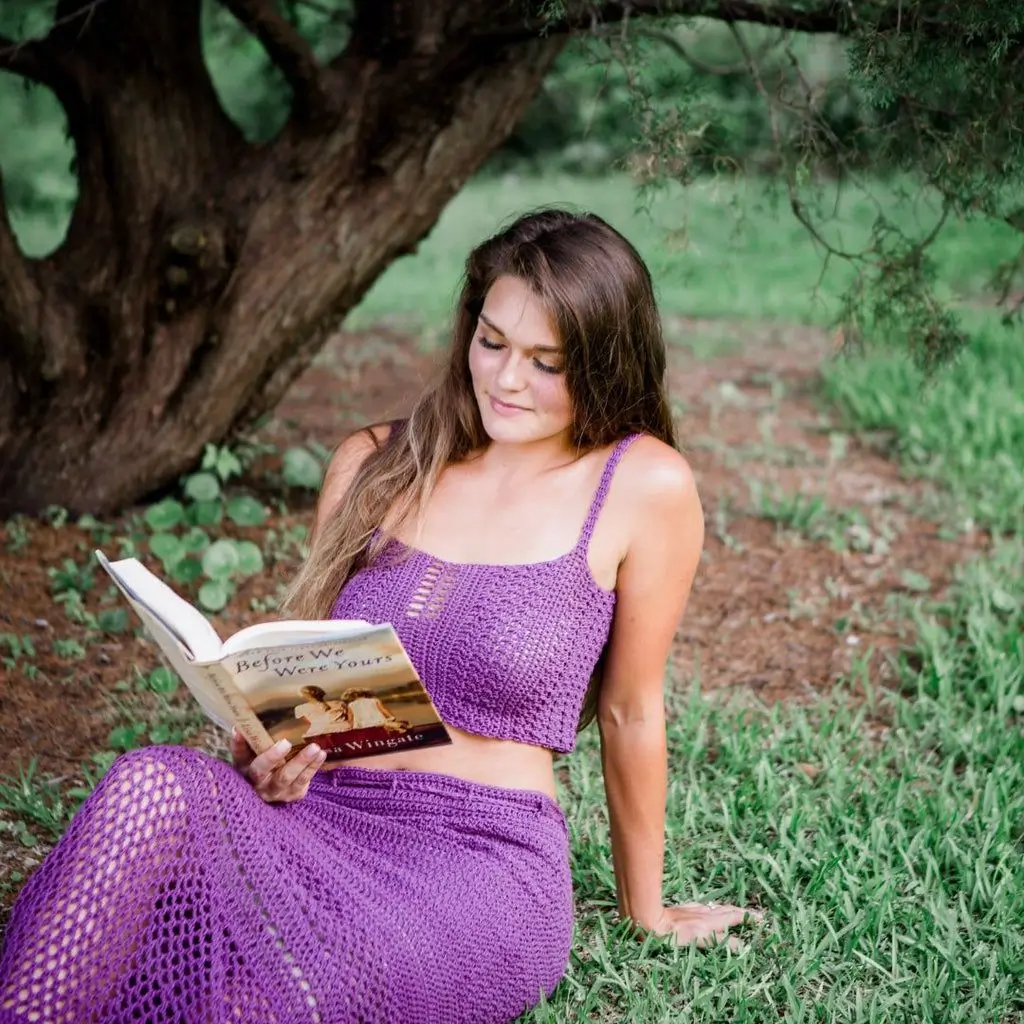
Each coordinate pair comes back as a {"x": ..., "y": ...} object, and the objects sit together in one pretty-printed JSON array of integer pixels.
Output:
[{"x": 177, "y": 896}]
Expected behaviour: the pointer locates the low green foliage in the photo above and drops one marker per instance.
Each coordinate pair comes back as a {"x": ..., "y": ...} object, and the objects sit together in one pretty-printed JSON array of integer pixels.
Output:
[
  {"x": 17, "y": 534},
  {"x": 963, "y": 429},
  {"x": 17, "y": 653},
  {"x": 181, "y": 530},
  {"x": 812, "y": 517},
  {"x": 37, "y": 801}
]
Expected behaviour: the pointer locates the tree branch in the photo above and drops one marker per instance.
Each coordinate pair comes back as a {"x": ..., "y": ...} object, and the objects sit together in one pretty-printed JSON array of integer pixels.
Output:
[
  {"x": 290, "y": 52},
  {"x": 673, "y": 43},
  {"x": 28, "y": 59},
  {"x": 795, "y": 202},
  {"x": 393, "y": 30},
  {"x": 834, "y": 16}
]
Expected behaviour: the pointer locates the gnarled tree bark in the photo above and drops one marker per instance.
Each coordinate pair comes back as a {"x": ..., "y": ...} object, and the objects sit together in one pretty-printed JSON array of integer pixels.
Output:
[{"x": 200, "y": 274}]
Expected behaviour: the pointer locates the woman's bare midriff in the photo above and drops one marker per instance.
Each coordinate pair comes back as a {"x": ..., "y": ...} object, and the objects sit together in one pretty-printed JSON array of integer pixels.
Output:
[{"x": 482, "y": 759}]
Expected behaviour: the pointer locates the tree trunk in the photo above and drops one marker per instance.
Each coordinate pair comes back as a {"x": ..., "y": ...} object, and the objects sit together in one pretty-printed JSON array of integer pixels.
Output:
[{"x": 200, "y": 274}]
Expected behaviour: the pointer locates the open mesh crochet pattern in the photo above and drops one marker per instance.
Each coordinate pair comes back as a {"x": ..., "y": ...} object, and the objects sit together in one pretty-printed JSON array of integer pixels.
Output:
[{"x": 177, "y": 896}]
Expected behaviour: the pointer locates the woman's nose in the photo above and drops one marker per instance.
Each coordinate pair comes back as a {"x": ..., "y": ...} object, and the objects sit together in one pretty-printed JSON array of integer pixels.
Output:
[{"x": 510, "y": 376}]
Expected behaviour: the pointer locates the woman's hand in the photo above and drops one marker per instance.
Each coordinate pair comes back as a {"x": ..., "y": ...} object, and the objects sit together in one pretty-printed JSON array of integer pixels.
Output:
[
  {"x": 275, "y": 780},
  {"x": 704, "y": 923}
]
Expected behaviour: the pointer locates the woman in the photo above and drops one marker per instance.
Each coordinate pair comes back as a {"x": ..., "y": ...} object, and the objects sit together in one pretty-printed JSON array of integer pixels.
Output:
[{"x": 532, "y": 533}]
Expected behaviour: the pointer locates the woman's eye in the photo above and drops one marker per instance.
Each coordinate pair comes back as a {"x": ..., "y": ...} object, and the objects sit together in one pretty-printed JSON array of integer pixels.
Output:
[
  {"x": 546, "y": 367},
  {"x": 487, "y": 343}
]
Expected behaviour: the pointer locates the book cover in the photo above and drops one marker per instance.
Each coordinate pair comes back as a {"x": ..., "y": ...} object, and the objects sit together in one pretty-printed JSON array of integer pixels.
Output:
[{"x": 354, "y": 697}]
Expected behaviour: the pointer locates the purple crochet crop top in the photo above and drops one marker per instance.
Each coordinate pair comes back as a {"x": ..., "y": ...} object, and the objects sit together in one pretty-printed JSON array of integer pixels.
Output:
[{"x": 504, "y": 650}]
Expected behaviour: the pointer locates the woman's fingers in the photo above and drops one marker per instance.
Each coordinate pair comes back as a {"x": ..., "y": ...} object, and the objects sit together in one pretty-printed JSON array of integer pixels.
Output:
[
  {"x": 726, "y": 914},
  {"x": 298, "y": 773},
  {"x": 262, "y": 767},
  {"x": 241, "y": 753},
  {"x": 279, "y": 781},
  {"x": 705, "y": 923}
]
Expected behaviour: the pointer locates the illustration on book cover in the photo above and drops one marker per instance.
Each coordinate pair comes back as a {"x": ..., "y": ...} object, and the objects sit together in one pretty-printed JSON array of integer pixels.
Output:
[{"x": 386, "y": 710}]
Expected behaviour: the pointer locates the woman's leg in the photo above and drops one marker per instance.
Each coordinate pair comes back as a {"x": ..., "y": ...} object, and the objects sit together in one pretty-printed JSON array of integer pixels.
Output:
[{"x": 128, "y": 863}]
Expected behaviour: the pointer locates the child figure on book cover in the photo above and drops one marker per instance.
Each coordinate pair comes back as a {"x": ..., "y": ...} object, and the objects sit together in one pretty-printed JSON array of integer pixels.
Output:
[{"x": 531, "y": 532}]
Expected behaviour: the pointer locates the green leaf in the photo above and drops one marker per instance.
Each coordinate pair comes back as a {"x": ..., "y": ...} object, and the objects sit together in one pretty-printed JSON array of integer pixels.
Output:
[
  {"x": 221, "y": 560},
  {"x": 167, "y": 547},
  {"x": 915, "y": 581},
  {"x": 222, "y": 461},
  {"x": 213, "y": 595},
  {"x": 165, "y": 732},
  {"x": 125, "y": 737},
  {"x": 301, "y": 468},
  {"x": 1003, "y": 600},
  {"x": 202, "y": 487},
  {"x": 228, "y": 464},
  {"x": 195, "y": 539},
  {"x": 113, "y": 620},
  {"x": 206, "y": 513},
  {"x": 188, "y": 570},
  {"x": 250, "y": 558},
  {"x": 246, "y": 511},
  {"x": 162, "y": 680},
  {"x": 165, "y": 515}
]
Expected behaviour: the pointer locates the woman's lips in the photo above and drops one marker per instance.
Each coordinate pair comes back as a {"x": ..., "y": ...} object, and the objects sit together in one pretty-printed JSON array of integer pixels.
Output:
[{"x": 503, "y": 408}]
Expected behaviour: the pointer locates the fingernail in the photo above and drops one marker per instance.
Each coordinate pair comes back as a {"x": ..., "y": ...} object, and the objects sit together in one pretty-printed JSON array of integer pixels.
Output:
[
  {"x": 313, "y": 750},
  {"x": 282, "y": 746}
]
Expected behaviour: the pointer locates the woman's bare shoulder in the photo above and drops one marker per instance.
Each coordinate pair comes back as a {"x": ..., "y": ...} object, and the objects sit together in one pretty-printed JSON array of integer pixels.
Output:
[
  {"x": 653, "y": 471},
  {"x": 354, "y": 448}
]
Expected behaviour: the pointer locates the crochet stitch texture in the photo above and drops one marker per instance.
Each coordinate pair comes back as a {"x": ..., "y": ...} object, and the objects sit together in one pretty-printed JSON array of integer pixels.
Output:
[{"x": 177, "y": 896}]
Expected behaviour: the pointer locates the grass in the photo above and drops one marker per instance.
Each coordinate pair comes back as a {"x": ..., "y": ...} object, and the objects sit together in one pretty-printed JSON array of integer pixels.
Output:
[
  {"x": 883, "y": 837},
  {"x": 963, "y": 429},
  {"x": 720, "y": 248}
]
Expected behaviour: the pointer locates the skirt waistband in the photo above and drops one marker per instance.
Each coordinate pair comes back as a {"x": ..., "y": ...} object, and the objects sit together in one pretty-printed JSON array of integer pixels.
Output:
[{"x": 419, "y": 782}]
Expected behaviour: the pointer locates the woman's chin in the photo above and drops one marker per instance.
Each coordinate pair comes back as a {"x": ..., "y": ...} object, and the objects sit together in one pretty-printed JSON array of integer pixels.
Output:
[{"x": 510, "y": 431}]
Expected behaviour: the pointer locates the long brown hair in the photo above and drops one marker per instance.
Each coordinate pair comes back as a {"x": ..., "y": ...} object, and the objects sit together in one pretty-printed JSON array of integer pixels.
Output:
[{"x": 600, "y": 296}]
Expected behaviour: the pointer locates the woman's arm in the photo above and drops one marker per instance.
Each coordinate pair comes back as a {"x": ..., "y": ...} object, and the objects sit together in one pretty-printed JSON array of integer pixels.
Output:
[{"x": 665, "y": 527}]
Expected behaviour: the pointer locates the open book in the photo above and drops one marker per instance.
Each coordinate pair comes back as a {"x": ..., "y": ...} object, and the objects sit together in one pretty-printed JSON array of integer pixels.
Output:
[{"x": 346, "y": 685}]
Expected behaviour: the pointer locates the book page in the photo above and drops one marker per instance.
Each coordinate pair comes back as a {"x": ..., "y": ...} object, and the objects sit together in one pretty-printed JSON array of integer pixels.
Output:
[
  {"x": 186, "y": 623},
  {"x": 291, "y": 631},
  {"x": 192, "y": 675}
]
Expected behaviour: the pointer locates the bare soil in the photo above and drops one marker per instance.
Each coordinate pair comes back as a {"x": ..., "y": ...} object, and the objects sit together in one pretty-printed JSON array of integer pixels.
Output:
[{"x": 775, "y": 612}]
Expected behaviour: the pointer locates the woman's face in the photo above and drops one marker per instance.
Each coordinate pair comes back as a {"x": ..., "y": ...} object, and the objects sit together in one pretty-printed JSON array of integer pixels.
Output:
[{"x": 517, "y": 365}]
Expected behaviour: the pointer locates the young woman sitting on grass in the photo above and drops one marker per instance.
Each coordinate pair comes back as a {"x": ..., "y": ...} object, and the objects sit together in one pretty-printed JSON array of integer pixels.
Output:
[{"x": 532, "y": 533}]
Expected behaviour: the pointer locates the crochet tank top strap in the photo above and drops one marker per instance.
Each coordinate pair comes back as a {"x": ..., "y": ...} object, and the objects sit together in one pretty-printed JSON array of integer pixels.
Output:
[{"x": 602, "y": 488}]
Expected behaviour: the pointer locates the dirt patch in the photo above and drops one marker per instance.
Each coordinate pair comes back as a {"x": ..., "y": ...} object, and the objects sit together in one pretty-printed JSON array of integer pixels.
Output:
[
  {"x": 786, "y": 604},
  {"x": 779, "y": 609}
]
